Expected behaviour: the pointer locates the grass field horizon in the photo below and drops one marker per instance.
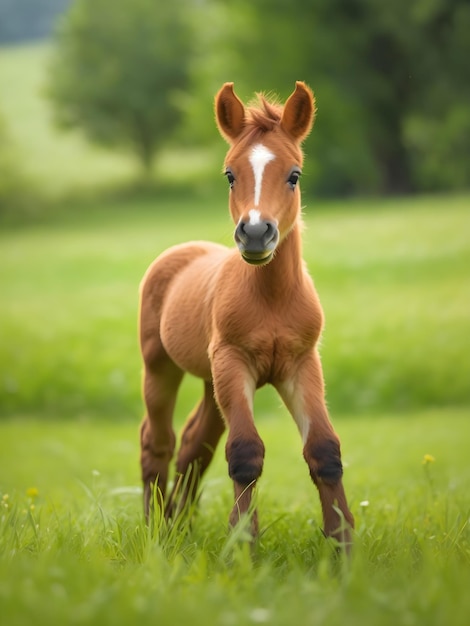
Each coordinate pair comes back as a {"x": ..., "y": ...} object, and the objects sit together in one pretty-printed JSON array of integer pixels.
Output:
[{"x": 393, "y": 282}]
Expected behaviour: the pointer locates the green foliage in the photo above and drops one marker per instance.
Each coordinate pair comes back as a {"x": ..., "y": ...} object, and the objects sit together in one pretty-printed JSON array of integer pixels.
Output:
[
  {"x": 64, "y": 165},
  {"x": 18, "y": 195},
  {"x": 118, "y": 70},
  {"x": 439, "y": 149},
  {"x": 392, "y": 88},
  {"x": 391, "y": 80},
  {"x": 74, "y": 547}
]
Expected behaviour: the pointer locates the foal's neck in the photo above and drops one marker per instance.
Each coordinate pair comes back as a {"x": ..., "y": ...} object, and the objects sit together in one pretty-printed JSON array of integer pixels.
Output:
[{"x": 284, "y": 273}]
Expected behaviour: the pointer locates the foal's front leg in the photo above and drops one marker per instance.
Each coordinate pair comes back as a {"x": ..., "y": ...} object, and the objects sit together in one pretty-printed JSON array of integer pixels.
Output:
[
  {"x": 234, "y": 389},
  {"x": 304, "y": 397}
]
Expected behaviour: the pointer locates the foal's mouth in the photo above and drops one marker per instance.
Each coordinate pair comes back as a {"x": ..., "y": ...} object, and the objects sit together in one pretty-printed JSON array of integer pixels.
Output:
[{"x": 257, "y": 258}]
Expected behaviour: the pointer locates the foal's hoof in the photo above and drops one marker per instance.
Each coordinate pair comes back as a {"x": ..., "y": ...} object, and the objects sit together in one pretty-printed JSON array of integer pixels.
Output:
[
  {"x": 248, "y": 521},
  {"x": 343, "y": 538}
]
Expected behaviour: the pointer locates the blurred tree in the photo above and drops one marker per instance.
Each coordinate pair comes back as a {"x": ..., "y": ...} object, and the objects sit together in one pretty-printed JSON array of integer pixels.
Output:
[
  {"x": 392, "y": 83},
  {"x": 19, "y": 197},
  {"x": 436, "y": 129},
  {"x": 416, "y": 83},
  {"x": 219, "y": 30},
  {"x": 118, "y": 71}
]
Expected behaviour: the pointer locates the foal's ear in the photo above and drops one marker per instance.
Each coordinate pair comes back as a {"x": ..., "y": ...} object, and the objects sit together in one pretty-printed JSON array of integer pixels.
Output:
[
  {"x": 229, "y": 113},
  {"x": 299, "y": 112}
]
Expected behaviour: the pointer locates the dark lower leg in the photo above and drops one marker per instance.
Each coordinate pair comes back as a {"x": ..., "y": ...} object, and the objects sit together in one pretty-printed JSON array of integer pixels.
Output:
[
  {"x": 245, "y": 458},
  {"x": 326, "y": 470}
]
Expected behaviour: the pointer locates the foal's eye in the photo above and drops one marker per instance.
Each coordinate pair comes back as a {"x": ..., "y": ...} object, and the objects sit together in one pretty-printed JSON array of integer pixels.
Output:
[
  {"x": 293, "y": 178},
  {"x": 230, "y": 177}
]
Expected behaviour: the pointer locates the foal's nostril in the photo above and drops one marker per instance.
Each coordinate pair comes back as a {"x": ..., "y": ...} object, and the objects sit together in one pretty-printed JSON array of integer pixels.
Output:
[
  {"x": 270, "y": 234},
  {"x": 240, "y": 234}
]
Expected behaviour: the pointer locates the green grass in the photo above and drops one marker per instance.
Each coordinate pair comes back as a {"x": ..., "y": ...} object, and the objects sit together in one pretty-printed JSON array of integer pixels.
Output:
[
  {"x": 392, "y": 277},
  {"x": 393, "y": 282},
  {"x": 78, "y": 551}
]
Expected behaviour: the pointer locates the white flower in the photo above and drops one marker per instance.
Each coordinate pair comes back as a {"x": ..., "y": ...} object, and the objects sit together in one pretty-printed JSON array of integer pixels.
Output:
[{"x": 260, "y": 615}]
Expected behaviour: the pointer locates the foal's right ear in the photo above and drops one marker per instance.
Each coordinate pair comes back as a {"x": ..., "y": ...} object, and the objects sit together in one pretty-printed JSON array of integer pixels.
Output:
[
  {"x": 299, "y": 112},
  {"x": 229, "y": 113}
]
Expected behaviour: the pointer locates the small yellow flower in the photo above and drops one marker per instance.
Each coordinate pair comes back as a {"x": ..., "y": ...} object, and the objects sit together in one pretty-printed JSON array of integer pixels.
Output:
[
  {"x": 32, "y": 492},
  {"x": 428, "y": 458},
  {"x": 5, "y": 497}
]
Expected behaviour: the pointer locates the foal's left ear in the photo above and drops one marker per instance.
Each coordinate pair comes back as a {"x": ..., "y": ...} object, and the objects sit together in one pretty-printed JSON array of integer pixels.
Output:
[
  {"x": 299, "y": 112},
  {"x": 229, "y": 113}
]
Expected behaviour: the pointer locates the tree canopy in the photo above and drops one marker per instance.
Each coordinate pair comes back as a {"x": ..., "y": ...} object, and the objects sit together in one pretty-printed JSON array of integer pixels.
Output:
[
  {"x": 392, "y": 80},
  {"x": 117, "y": 71}
]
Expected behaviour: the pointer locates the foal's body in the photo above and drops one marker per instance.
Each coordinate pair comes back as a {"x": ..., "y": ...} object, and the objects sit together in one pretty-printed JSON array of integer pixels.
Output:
[{"x": 210, "y": 311}]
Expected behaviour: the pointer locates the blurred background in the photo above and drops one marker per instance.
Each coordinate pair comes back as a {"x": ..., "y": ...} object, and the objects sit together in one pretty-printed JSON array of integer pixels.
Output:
[
  {"x": 109, "y": 154},
  {"x": 137, "y": 78}
]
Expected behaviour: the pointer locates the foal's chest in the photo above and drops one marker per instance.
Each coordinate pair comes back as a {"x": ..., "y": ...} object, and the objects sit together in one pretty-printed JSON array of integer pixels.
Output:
[{"x": 275, "y": 339}]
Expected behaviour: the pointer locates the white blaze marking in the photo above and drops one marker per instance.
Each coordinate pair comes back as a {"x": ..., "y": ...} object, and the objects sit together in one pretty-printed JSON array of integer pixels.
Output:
[
  {"x": 255, "y": 217},
  {"x": 260, "y": 156}
]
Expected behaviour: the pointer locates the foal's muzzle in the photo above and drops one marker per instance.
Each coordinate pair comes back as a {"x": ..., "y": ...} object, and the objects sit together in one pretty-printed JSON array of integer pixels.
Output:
[{"x": 257, "y": 242}]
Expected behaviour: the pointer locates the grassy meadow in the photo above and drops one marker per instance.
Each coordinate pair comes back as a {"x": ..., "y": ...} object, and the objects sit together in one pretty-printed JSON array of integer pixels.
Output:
[
  {"x": 73, "y": 544},
  {"x": 394, "y": 283},
  {"x": 393, "y": 280}
]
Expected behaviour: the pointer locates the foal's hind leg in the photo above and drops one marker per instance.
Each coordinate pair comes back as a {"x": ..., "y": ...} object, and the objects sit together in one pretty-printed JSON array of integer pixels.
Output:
[
  {"x": 199, "y": 440},
  {"x": 161, "y": 381}
]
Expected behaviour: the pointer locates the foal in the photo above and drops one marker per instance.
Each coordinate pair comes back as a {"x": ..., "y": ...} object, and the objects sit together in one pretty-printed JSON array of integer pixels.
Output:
[{"x": 240, "y": 318}]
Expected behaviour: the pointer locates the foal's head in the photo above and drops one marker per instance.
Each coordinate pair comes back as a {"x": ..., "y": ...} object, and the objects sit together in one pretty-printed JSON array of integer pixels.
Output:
[{"x": 263, "y": 166}]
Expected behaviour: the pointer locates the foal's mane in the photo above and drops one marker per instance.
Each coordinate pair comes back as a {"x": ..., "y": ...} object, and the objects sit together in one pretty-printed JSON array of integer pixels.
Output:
[{"x": 262, "y": 115}]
